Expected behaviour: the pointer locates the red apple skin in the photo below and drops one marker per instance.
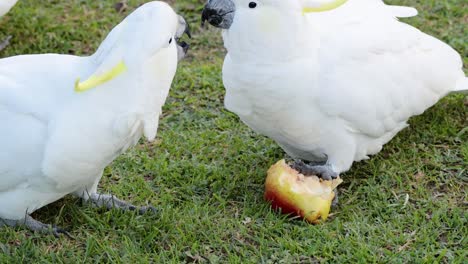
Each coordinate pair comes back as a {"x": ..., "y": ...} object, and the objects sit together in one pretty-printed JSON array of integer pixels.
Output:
[
  {"x": 290, "y": 191},
  {"x": 279, "y": 201}
]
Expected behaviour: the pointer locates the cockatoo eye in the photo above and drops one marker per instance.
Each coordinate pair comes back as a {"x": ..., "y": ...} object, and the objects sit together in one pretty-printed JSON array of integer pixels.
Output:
[
  {"x": 252, "y": 5},
  {"x": 170, "y": 40}
]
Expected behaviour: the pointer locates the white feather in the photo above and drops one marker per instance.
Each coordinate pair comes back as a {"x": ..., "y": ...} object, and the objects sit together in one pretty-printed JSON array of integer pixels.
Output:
[
  {"x": 462, "y": 85},
  {"x": 6, "y": 5}
]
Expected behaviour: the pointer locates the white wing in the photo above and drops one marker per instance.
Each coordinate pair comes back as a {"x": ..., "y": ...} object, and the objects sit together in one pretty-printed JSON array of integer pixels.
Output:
[
  {"x": 355, "y": 11},
  {"x": 33, "y": 88},
  {"x": 22, "y": 138},
  {"x": 377, "y": 72}
]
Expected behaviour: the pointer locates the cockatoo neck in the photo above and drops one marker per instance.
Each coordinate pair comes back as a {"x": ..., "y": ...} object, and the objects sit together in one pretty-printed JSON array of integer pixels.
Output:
[
  {"x": 131, "y": 70},
  {"x": 270, "y": 39},
  {"x": 110, "y": 53},
  {"x": 141, "y": 86}
]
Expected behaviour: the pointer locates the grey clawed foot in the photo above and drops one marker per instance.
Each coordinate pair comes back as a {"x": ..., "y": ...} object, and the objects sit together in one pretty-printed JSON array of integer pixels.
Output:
[
  {"x": 36, "y": 226},
  {"x": 110, "y": 201},
  {"x": 5, "y": 43},
  {"x": 323, "y": 171}
]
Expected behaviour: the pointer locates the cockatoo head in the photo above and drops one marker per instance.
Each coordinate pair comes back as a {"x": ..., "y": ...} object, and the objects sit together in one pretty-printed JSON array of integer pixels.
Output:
[
  {"x": 152, "y": 28},
  {"x": 270, "y": 24},
  {"x": 223, "y": 13}
]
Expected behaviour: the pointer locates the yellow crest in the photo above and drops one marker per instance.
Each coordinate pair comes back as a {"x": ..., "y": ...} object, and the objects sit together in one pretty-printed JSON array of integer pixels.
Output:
[
  {"x": 96, "y": 80},
  {"x": 325, "y": 7}
]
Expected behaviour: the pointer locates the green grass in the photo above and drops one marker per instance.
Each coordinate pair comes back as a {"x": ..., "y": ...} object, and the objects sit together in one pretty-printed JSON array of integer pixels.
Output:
[{"x": 205, "y": 172}]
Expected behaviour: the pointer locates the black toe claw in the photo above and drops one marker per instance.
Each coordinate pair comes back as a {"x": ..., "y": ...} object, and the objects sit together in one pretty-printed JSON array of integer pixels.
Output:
[
  {"x": 64, "y": 232},
  {"x": 52, "y": 230},
  {"x": 147, "y": 209}
]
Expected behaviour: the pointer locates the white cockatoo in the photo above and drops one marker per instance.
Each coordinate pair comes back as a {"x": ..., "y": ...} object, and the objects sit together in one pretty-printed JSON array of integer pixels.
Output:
[
  {"x": 65, "y": 118},
  {"x": 5, "y": 6},
  {"x": 330, "y": 81}
]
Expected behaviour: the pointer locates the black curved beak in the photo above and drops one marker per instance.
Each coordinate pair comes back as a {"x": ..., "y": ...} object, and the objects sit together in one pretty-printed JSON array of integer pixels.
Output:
[
  {"x": 182, "y": 49},
  {"x": 183, "y": 28},
  {"x": 182, "y": 46},
  {"x": 219, "y": 13},
  {"x": 185, "y": 46}
]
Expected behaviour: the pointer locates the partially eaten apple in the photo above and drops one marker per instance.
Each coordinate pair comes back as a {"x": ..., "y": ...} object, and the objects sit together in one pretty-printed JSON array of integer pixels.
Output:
[{"x": 306, "y": 196}]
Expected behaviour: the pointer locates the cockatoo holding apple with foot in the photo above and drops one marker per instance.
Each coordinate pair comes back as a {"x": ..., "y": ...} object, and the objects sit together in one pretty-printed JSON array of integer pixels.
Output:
[
  {"x": 330, "y": 81},
  {"x": 65, "y": 118}
]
